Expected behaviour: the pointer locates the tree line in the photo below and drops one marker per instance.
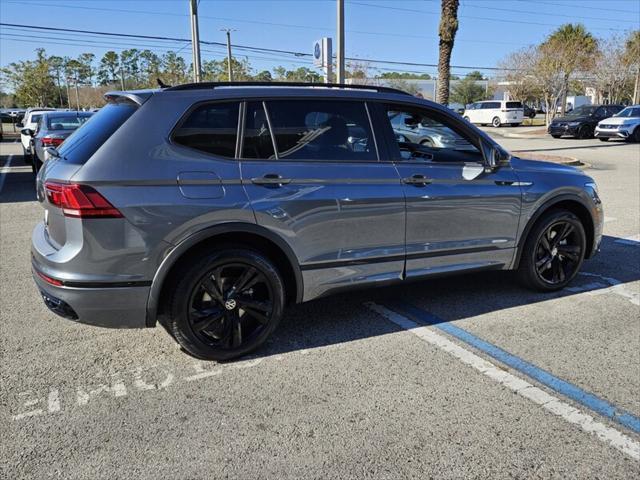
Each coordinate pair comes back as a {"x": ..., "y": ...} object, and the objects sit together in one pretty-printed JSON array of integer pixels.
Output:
[
  {"x": 80, "y": 82},
  {"x": 570, "y": 61}
]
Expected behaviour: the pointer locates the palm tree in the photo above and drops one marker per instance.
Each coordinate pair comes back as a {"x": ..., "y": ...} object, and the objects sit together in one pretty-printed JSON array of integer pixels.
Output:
[{"x": 448, "y": 29}]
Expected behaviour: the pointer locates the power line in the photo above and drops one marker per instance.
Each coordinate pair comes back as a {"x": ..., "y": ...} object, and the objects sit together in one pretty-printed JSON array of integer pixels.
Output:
[
  {"x": 246, "y": 47},
  {"x": 274, "y": 24},
  {"x": 473, "y": 17},
  {"x": 582, "y": 6}
]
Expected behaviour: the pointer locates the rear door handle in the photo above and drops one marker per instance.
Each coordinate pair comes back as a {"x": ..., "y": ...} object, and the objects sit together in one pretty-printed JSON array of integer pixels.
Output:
[
  {"x": 418, "y": 180},
  {"x": 270, "y": 179}
]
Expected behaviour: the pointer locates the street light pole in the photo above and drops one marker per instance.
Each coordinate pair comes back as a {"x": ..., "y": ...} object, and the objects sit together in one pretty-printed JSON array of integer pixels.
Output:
[
  {"x": 195, "y": 40},
  {"x": 340, "y": 46},
  {"x": 229, "y": 57}
]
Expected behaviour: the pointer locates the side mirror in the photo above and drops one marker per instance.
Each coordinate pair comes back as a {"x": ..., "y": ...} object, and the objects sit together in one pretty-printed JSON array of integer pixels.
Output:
[
  {"x": 20, "y": 125},
  {"x": 27, "y": 131},
  {"x": 494, "y": 157}
]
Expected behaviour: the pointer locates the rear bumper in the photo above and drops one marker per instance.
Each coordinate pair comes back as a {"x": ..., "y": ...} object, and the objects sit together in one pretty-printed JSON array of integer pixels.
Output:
[{"x": 113, "y": 307}]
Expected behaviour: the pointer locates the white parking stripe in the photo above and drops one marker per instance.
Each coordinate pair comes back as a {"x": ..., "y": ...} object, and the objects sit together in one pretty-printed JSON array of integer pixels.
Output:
[
  {"x": 633, "y": 240},
  {"x": 3, "y": 173},
  {"x": 586, "y": 422}
]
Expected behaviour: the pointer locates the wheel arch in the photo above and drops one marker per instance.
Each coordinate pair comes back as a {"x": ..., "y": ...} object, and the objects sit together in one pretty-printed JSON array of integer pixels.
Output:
[
  {"x": 239, "y": 234},
  {"x": 569, "y": 202}
]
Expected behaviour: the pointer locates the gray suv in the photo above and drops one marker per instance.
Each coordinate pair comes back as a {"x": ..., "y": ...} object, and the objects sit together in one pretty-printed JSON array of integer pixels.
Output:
[{"x": 209, "y": 207}]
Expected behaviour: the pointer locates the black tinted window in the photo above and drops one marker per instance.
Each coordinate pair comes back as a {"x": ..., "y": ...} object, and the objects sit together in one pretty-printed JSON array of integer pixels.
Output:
[
  {"x": 491, "y": 105},
  {"x": 211, "y": 128},
  {"x": 514, "y": 105},
  {"x": 257, "y": 137},
  {"x": 321, "y": 130},
  {"x": 84, "y": 142}
]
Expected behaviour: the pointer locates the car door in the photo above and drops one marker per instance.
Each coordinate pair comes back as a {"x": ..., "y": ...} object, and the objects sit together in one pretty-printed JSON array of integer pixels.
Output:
[
  {"x": 459, "y": 215},
  {"x": 311, "y": 171}
]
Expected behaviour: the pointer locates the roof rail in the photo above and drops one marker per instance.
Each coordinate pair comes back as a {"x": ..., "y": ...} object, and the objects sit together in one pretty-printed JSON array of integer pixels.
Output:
[{"x": 205, "y": 85}]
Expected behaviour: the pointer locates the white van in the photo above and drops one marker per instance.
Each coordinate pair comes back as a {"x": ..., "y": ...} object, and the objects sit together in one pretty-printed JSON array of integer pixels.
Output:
[{"x": 495, "y": 112}]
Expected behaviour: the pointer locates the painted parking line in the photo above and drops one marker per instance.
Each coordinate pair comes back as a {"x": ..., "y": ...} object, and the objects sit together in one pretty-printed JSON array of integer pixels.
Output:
[
  {"x": 416, "y": 321},
  {"x": 3, "y": 172},
  {"x": 633, "y": 240}
]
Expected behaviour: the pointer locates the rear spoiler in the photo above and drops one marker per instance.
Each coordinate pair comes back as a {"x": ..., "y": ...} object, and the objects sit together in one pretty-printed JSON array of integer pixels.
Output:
[{"x": 137, "y": 96}]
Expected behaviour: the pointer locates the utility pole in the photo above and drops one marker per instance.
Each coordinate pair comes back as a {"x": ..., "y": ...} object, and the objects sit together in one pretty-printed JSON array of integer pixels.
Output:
[
  {"x": 77, "y": 93},
  {"x": 195, "y": 40},
  {"x": 340, "y": 37},
  {"x": 229, "y": 57}
]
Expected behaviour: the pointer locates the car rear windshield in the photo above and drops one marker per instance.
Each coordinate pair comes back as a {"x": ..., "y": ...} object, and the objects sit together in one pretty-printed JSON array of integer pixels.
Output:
[
  {"x": 514, "y": 105},
  {"x": 84, "y": 142},
  {"x": 66, "y": 122}
]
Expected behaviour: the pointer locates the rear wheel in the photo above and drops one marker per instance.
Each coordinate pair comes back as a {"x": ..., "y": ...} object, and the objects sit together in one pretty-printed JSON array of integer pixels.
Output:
[
  {"x": 226, "y": 305},
  {"x": 496, "y": 122},
  {"x": 26, "y": 156},
  {"x": 553, "y": 253}
]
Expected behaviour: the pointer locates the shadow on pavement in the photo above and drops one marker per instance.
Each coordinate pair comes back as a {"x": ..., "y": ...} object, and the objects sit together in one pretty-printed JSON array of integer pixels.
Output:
[
  {"x": 342, "y": 318},
  {"x": 19, "y": 184}
]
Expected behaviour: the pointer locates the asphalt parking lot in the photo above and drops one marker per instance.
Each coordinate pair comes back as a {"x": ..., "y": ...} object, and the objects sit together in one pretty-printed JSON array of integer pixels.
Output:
[{"x": 466, "y": 377}]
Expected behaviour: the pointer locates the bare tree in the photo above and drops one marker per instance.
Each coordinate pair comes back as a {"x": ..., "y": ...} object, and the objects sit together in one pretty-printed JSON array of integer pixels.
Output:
[
  {"x": 613, "y": 75},
  {"x": 632, "y": 59},
  {"x": 447, "y": 33},
  {"x": 519, "y": 70}
]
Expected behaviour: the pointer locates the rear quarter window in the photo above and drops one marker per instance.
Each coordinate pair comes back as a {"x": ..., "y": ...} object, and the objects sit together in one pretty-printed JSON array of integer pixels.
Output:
[
  {"x": 210, "y": 128},
  {"x": 514, "y": 105},
  {"x": 87, "y": 139}
]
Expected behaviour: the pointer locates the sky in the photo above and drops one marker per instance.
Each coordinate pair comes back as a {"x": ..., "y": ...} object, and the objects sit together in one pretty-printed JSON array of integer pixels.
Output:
[{"x": 391, "y": 30}]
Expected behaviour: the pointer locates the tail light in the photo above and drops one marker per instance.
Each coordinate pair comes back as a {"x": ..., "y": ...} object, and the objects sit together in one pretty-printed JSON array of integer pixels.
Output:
[
  {"x": 52, "y": 141},
  {"x": 79, "y": 201}
]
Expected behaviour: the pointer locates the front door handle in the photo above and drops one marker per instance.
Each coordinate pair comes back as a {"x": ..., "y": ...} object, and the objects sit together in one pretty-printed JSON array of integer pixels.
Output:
[
  {"x": 418, "y": 180},
  {"x": 272, "y": 179}
]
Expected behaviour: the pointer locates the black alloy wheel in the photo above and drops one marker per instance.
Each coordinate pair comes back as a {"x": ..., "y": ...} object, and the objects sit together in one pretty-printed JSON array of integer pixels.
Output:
[
  {"x": 558, "y": 253},
  {"x": 227, "y": 306},
  {"x": 553, "y": 252}
]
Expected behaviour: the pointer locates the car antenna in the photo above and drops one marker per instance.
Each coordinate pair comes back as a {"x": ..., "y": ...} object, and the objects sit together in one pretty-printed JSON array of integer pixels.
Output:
[{"x": 161, "y": 84}]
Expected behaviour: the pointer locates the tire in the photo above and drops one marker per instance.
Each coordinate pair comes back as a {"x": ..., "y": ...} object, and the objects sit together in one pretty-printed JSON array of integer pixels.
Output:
[
  {"x": 516, "y": 124},
  {"x": 603, "y": 139},
  {"x": 496, "y": 122},
  {"x": 467, "y": 119},
  {"x": 26, "y": 156},
  {"x": 556, "y": 136},
  {"x": 563, "y": 260},
  {"x": 585, "y": 132},
  {"x": 204, "y": 308},
  {"x": 635, "y": 136}
]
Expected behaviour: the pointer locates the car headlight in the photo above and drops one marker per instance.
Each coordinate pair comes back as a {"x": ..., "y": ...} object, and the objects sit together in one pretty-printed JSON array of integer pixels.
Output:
[{"x": 573, "y": 124}]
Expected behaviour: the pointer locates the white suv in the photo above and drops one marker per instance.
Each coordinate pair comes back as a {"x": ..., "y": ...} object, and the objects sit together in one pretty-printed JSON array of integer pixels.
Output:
[
  {"x": 30, "y": 121},
  {"x": 625, "y": 124},
  {"x": 495, "y": 112}
]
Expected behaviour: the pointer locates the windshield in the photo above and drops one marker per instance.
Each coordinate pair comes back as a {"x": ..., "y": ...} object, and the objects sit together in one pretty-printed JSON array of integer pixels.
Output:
[
  {"x": 629, "y": 112},
  {"x": 66, "y": 122},
  {"x": 582, "y": 111}
]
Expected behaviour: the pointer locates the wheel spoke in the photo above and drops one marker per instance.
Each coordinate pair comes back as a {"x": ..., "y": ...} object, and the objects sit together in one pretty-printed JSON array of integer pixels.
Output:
[
  {"x": 544, "y": 263},
  {"x": 561, "y": 275},
  {"x": 212, "y": 289},
  {"x": 567, "y": 228},
  {"x": 234, "y": 335},
  {"x": 248, "y": 279},
  {"x": 204, "y": 319},
  {"x": 544, "y": 241},
  {"x": 255, "y": 304},
  {"x": 571, "y": 252},
  {"x": 257, "y": 314}
]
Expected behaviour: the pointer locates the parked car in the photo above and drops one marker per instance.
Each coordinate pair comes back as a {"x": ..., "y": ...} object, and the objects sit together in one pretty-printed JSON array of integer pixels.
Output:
[
  {"x": 210, "y": 207},
  {"x": 625, "y": 124},
  {"x": 425, "y": 131},
  {"x": 528, "y": 111},
  {"x": 581, "y": 122},
  {"x": 52, "y": 129},
  {"x": 495, "y": 112},
  {"x": 29, "y": 122}
]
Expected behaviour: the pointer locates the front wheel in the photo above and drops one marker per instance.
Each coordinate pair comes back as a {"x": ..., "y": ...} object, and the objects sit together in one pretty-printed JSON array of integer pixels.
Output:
[
  {"x": 553, "y": 252},
  {"x": 496, "y": 122},
  {"x": 556, "y": 136},
  {"x": 467, "y": 119},
  {"x": 603, "y": 139},
  {"x": 635, "y": 136},
  {"x": 585, "y": 132},
  {"x": 226, "y": 304}
]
